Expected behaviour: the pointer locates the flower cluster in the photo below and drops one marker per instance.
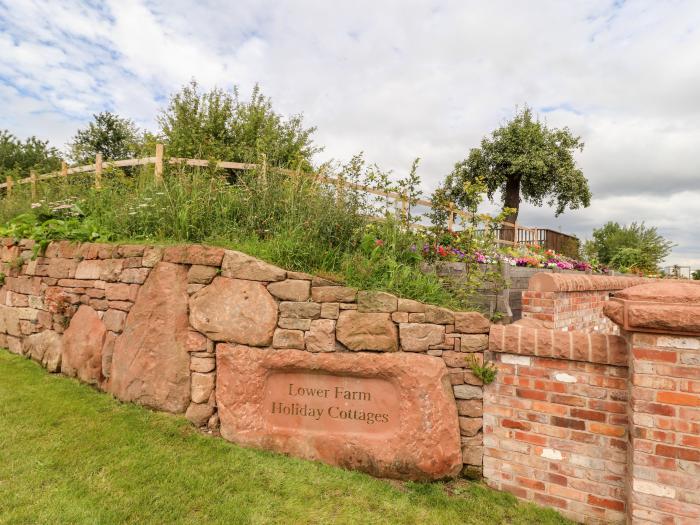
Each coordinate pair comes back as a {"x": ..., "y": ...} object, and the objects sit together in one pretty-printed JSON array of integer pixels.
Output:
[{"x": 529, "y": 256}]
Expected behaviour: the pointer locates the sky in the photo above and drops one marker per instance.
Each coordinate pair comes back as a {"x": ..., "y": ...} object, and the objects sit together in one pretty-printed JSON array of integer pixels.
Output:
[{"x": 396, "y": 80}]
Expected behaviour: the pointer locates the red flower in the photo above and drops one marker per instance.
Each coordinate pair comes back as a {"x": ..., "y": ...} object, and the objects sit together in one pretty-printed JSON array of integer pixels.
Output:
[
  {"x": 379, "y": 242},
  {"x": 442, "y": 251}
]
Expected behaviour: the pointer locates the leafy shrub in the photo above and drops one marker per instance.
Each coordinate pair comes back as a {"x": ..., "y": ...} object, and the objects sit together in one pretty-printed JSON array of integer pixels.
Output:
[{"x": 486, "y": 372}]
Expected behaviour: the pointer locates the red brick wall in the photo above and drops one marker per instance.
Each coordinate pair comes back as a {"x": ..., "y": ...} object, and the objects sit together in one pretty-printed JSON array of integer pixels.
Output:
[
  {"x": 555, "y": 424},
  {"x": 573, "y": 302},
  {"x": 665, "y": 406},
  {"x": 569, "y": 310}
]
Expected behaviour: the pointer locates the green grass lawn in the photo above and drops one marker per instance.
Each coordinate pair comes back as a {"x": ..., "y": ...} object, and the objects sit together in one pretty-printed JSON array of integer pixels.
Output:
[{"x": 70, "y": 454}]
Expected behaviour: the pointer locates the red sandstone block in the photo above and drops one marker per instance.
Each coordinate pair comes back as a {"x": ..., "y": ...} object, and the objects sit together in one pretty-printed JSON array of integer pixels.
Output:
[
  {"x": 562, "y": 345},
  {"x": 131, "y": 250},
  {"x": 194, "y": 254},
  {"x": 662, "y": 356},
  {"x": 580, "y": 346},
  {"x": 527, "y": 341},
  {"x": 678, "y": 398}
]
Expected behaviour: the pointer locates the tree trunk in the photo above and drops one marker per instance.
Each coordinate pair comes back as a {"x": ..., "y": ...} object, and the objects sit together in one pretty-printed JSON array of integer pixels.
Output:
[{"x": 511, "y": 199}]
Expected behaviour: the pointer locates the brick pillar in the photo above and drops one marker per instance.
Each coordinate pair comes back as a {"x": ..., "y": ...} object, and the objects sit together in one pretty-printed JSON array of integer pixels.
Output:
[{"x": 661, "y": 323}]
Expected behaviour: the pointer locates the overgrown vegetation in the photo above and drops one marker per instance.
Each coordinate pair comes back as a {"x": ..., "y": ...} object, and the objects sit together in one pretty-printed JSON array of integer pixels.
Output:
[
  {"x": 297, "y": 223},
  {"x": 485, "y": 371},
  {"x": 86, "y": 458},
  {"x": 18, "y": 157},
  {"x": 217, "y": 124}
]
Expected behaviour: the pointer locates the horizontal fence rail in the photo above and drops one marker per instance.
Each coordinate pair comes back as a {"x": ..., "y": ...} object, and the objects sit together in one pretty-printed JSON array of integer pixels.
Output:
[{"x": 507, "y": 233}]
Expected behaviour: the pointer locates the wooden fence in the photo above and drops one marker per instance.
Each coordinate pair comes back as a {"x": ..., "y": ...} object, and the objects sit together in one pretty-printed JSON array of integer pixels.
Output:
[{"x": 508, "y": 233}]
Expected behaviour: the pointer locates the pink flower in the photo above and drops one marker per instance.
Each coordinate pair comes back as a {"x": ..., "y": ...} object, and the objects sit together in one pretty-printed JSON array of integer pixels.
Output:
[{"x": 379, "y": 242}]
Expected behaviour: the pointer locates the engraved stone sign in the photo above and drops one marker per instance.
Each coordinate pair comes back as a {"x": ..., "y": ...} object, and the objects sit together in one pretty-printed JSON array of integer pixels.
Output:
[
  {"x": 330, "y": 403},
  {"x": 392, "y": 415}
]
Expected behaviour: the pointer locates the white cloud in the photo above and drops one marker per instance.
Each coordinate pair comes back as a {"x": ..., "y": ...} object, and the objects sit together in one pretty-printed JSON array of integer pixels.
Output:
[{"x": 397, "y": 79}]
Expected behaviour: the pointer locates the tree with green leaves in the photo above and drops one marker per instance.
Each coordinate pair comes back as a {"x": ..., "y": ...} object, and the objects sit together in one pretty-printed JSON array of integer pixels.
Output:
[
  {"x": 629, "y": 248},
  {"x": 113, "y": 136},
  {"x": 525, "y": 160},
  {"x": 216, "y": 124},
  {"x": 696, "y": 275},
  {"x": 17, "y": 158}
]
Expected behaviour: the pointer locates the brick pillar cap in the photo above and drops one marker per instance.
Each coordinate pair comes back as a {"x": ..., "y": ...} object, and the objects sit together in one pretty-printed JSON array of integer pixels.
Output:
[
  {"x": 564, "y": 282},
  {"x": 663, "y": 307}
]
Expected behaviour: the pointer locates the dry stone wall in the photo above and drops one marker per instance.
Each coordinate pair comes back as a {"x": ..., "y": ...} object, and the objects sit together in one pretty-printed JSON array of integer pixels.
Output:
[{"x": 148, "y": 325}]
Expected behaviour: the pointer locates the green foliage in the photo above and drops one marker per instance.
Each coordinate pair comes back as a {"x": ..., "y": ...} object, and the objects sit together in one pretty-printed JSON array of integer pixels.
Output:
[
  {"x": 474, "y": 243},
  {"x": 486, "y": 372},
  {"x": 388, "y": 260},
  {"x": 218, "y": 125},
  {"x": 45, "y": 228},
  {"x": 109, "y": 134},
  {"x": 524, "y": 158},
  {"x": 17, "y": 157},
  {"x": 296, "y": 222},
  {"x": 629, "y": 248},
  {"x": 696, "y": 275}
]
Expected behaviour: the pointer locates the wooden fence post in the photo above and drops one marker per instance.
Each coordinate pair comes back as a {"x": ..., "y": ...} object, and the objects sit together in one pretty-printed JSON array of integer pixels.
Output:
[
  {"x": 32, "y": 181},
  {"x": 404, "y": 211},
  {"x": 98, "y": 171},
  {"x": 159, "y": 164},
  {"x": 10, "y": 182},
  {"x": 263, "y": 173},
  {"x": 64, "y": 170}
]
